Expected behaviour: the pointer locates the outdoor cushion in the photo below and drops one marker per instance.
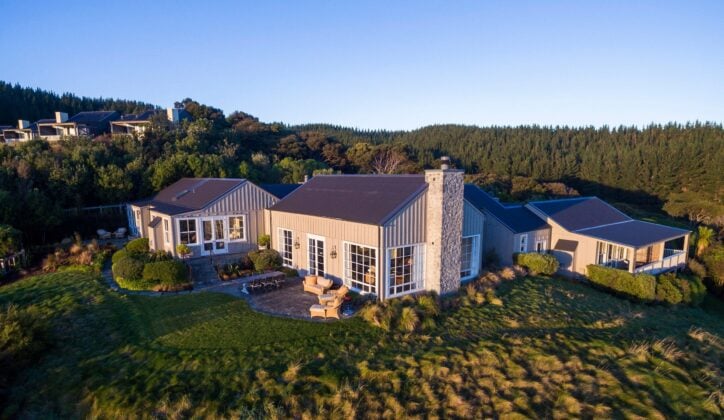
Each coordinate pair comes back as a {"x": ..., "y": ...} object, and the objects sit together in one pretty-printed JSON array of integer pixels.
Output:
[{"x": 310, "y": 280}]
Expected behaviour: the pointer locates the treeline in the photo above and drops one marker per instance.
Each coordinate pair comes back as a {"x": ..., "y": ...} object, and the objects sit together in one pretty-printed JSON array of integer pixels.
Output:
[{"x": 23, "y": 103}]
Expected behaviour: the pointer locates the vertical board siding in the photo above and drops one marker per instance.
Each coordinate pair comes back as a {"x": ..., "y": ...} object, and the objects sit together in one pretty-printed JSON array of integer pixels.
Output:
[
  {"x": 473, "y": 221},
  {"x": 408, "y": 226}
]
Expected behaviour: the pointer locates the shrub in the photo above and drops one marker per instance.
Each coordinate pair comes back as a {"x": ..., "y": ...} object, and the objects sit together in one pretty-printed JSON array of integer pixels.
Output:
[
  {"x": 696, "y": 267},
  {"x": 183, "y": 250},
  {"x": 666, "y": 290},
  {"x": 640, "y": 287},
  {"x": 264, "y": 240},
  {"x": 168, "y": 275},
  {"x": 265, "y": 259},
  {"x": 137, "y": 246},
  {"x": 23, "y": 337},
  {"x": 537, "y": 263},
  {"x": 713, "y": 259},
  {"x": 129, "y": 268},
  {"x": 289, "y": 272}
]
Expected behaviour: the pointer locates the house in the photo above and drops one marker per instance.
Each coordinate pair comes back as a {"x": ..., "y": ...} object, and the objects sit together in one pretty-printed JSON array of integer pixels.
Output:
[
  {"x": 88, "y": 123},
  {"x": 211, "y": 215},
  {"x": 587, "y": 230},
  {"x": 3, "y": 128},
  {"x": 138, "y": 123},
  {"x": 387, "y": 235},
  {"x": 508, "y": 228},
  {"x": 24, "y": 132}
]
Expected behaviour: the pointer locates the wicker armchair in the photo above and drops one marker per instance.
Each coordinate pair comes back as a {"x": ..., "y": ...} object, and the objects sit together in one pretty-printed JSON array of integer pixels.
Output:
[
  {"x": 328, "y": 310},
  {"x": 316, "y": 285}
]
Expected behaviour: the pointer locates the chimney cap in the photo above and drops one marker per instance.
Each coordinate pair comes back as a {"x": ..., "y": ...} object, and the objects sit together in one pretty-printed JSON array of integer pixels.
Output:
[{"x": 445, "y": 162}]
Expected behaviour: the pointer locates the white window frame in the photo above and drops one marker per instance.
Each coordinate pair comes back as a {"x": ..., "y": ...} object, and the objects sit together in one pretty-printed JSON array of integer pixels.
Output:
[
  {"x": 196, "y": 230},
  {"x": 417, "y": 274},
  {"x": 166, "y": 233},
  {"x": 541, "y": 246},
  {"x": 523, "y": 243},
  {"x": 474, "y": 258},
  {"x": 282, "y": 244},
  {"x": 349, "y": 282},
  {"x": 324, "y": 256},
  {"x": 243, "y": 228}
]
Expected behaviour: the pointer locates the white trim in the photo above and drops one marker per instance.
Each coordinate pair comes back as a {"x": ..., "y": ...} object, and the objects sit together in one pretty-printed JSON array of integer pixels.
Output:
[
  {"x": 324, "y": 255},
  {"x": 474, "y": 258},
  {"x": 377, "y": 268},
  {"x": 196, "y": 229},
  {"x": 280, "y": 246},
  {"x": 417, "y": 273},
  {"x": 244, "y": 236},
  {"x": 521, "y": 242},
  {"x": 166, "y": 230}
]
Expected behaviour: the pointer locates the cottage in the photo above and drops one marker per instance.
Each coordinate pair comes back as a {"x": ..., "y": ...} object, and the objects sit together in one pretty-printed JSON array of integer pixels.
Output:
[
  {"x": 587, "y": 230},
  {"x": 24, "y": 131},
  {"x": 139, "y": 123},
  {"x": 210, "y": 215},
  {"x": 387, "y": 235},
  {"x": 90, "y": 124}
]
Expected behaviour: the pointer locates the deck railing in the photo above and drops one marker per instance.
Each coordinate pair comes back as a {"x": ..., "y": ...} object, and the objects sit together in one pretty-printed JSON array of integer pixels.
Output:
[{"x": 673, "y": 259}]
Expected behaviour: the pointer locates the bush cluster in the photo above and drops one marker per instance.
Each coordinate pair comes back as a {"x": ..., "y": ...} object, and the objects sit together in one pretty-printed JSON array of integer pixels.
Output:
[
  {"x": 666, "y": 288},
  {"x": 128, "y": 268},
  {"x": 75, "y": 256},
  {"x": 407, "y": 314},
  {"x": 137, "y": 246},
  {"x": 545, "y": 264},
  {"x": 265, "y": 259},
  {"x": 167, "y": 275},
  {"x": 713, "y": 259}
]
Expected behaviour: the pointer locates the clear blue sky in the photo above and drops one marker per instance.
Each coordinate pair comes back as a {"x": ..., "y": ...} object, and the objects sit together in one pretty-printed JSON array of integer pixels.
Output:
[{"x": 385, "y": 64}]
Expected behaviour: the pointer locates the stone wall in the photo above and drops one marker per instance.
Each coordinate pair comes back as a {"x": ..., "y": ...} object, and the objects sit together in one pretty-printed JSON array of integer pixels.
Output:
[{"x": 444, "y": 225}]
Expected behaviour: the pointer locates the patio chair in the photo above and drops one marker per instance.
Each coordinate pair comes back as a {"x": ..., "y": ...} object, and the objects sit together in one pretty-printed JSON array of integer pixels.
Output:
[
  {"x": 120, "y": 233},
  {"x": 334, "y": 294},
  {"x": 328, "y": 310},
  {"x": 103, "y": 234},
  {"x": 316, "y": 285}
]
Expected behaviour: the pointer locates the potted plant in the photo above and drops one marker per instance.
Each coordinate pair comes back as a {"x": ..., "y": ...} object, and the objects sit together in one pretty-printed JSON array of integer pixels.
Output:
[
  {"x": 264, "y": 241},
  {"x": 183, "y": 250}
]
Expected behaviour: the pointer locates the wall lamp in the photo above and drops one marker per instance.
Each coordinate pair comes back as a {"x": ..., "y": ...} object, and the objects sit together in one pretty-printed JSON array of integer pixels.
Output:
[
  {"x": 333, "y": 254},
  {"x": 296, "y": 243}
]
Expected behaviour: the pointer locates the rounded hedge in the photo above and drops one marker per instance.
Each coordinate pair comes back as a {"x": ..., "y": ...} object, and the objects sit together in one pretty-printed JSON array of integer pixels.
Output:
[
  {"x": 168, "y": 275},
  {"x": 537, "y": 263},
  {"x": 128, "y": 268},
  {"x": 266, "y": 259},
  {"x": 119, "y": 255},
  {"x": 137, "y": 246}
]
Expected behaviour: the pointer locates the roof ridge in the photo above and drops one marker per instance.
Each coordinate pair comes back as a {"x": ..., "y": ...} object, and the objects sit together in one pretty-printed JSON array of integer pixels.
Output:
[{"x": 606, "y": 224}]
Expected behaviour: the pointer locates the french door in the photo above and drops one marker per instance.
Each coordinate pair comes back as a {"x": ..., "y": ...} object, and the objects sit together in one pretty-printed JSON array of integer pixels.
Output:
[
  {"x": 213, "y": 236},
  {"x": 315, "y": 249}
]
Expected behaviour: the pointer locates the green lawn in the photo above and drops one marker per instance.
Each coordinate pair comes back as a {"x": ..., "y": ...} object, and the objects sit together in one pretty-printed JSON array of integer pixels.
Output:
[{"x": 554, "y": 349}]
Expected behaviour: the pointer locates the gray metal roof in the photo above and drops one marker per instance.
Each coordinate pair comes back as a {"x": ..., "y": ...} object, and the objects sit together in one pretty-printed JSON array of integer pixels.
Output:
[
  {"x": 143, "y": 116},
  {"x": 635, "y": 233},
  {"x": 279, "y": 190},
  {"x": 91, "y": 117},
  {"x": 188, "y": 194},
  {"x": 580, "y": 213},
  {"x": 516, "y": 218},
  {"x": 369, "y": 199}
]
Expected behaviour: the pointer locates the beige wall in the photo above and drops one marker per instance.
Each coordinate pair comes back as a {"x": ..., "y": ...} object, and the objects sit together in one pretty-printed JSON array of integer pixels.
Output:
[{"x": 334, "y": 233}]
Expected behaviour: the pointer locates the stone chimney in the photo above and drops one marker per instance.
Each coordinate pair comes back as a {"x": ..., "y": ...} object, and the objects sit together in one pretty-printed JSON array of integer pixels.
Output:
[
  {"x": 173, "y": 115},
  {"x": 22, "y": 124},
  {"x": 444, "y": 227},
  {"x": 61, "y": 117}
]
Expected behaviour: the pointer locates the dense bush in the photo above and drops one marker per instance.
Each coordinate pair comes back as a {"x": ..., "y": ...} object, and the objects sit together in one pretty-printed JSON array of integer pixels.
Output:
[
  {"x": 137, "y": 246},
  {"x": 168, "y": 275},
  {"x": 289, "y": 272},
  {"x": 129, "y": 268},
  {"x": 537, "y": 263},
  {"x": 714, "y": 261},
  {"x": 119, "y": 255},
  {"x": 22, "y": 339},
  {"x": 666, "y": 290},
  {"x": 9, "y": 240},
  {"x": 266, "y": 259},
  {"x": 641, "y": 287},
  {"x": 680, "y": 288}
]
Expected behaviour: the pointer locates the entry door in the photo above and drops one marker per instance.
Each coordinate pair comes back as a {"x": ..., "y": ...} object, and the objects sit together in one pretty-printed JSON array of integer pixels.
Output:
[
  {"x": 315, "y": 249},
  {"x": 213, "y": 236}
]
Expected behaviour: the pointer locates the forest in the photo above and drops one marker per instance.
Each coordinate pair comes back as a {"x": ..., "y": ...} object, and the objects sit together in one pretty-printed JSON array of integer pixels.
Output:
[{"x": 671, "y": 169}]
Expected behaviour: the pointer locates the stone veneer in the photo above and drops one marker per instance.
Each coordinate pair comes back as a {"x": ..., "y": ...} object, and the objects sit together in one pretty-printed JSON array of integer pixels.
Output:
[{"x": 444, "y": 228}]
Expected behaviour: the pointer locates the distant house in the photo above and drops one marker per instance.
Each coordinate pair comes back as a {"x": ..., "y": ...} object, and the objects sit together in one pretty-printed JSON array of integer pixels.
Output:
[
  {"x": 587, "y": 230},
  {"x": 211, "y": 215},
  {"x": 387, "y": 235},
  {"x": 2, "y": 134},
  {"x": 87, "y": 124},
  {"x": 24, "y": 131},
  {"x": 139, "y": 123},
  {"x": 509, "y": 228}
]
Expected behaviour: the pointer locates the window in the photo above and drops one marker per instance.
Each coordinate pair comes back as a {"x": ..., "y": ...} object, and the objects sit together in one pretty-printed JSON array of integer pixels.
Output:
[
  {"x": 405, "y": 269},
  {"x": 236, "y": 228},
  {"x": 166, "y": 234},
  {"x": 611, "y": 255},
  {"x": 187, "y": 231},
  {"x": 540, "y": 245},
  {"x": 285, "y": 247},
  {"x": 523, "y": 243},
  {"x": 316, "y": 256},
  {"x": 469, "y": 257},
  {"x": 360, "y": 267}
]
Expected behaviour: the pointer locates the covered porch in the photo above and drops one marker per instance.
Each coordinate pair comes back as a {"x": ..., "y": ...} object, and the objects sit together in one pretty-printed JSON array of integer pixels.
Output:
[{"x": 641, "y": 247}]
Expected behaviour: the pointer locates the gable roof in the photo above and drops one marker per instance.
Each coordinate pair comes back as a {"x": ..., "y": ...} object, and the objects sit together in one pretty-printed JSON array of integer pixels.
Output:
[
  {"x": 580, "y": 212},
  {"x": 90, "y": 117},
  {"x": 188, "y": 194},
  {"x": 368, "y": 199},
  {"x": 279, "y": 190},
  {"x": 516, "y": 218},
  {"x": 635, "y": 233}
]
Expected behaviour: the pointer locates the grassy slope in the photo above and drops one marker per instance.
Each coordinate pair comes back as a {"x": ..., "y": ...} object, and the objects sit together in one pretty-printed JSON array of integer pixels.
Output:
[{"x": 555, "y": 348}]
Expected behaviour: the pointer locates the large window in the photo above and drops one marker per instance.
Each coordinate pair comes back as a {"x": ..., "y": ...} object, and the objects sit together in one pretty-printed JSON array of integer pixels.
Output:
[
  {"x": 187, "y": 231},
  {"x": 523, "y": 243},
  {"x": 236, "y": 228},
  {"x": 285, "y": 247},
  {"x": 360, "y": 268},
  {"x": 316, "y": 255},
  {"x": 166, "y": 233},
  {"x": 469, "y": 257},
  {"x": 612, "y": 255},
  {"x": 405, "y": 269}
]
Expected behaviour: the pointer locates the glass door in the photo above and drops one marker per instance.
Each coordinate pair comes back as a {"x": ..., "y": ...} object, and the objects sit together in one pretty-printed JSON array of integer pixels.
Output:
[
  {"x": 220, "y": 236},
  {"x": 316, "y": 255},
  {"x": 213, "y": 236},
  {"x": 207, "y": 236}
]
